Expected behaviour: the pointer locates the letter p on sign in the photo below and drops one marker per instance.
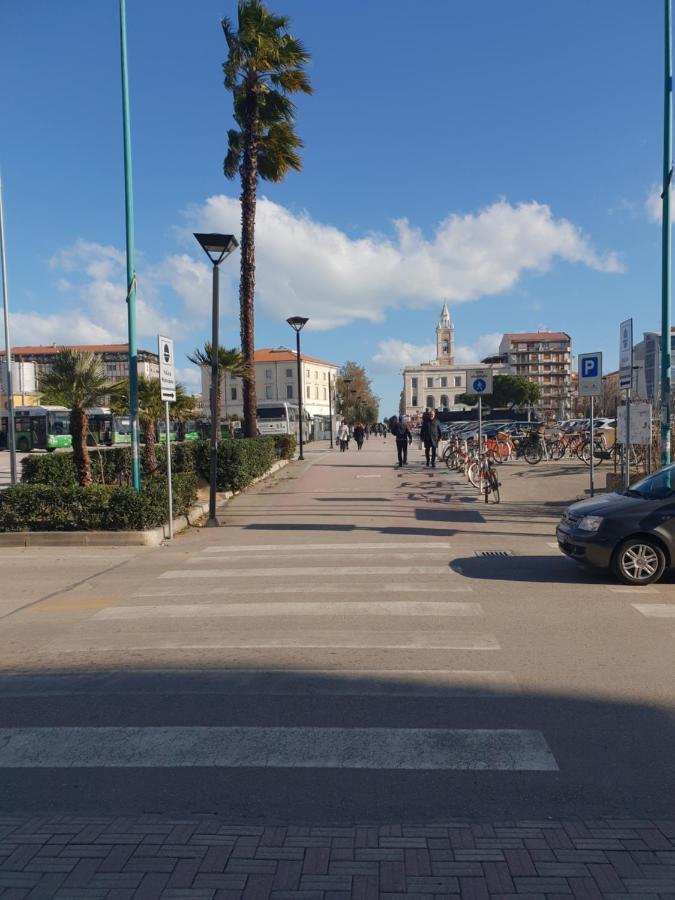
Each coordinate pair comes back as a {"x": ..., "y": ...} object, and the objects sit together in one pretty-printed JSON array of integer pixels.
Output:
[{"x": 590, "y": 367}]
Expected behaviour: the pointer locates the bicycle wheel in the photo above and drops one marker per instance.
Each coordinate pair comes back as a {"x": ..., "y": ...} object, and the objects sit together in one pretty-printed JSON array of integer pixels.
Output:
[
  {"x": 533, "y": 454},
  {"x": 502, "y": 452},
  {"x": 474, "y": 475},
  {"x": 494, "y": 485}
]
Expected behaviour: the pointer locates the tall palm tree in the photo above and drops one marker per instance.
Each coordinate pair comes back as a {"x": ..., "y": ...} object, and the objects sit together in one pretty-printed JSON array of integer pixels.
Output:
[
  {"x": 228, "y": 361},
  {"x": 265, "y": 65},
  {"x": 77, "y": 380}
]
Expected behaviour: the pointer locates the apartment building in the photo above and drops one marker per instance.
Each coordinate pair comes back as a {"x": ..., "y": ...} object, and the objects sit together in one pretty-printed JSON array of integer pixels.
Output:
[
  {"x": 545, "y": 359},
  {"x": 115, "y": 358},
  {"x": 276, "y": 378}
]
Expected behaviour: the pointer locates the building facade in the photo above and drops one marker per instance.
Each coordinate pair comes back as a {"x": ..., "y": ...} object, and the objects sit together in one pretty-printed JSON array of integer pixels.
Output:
[
  {"x": 647, "y": 366},
  {"x": 276, "y": 378},
  {"x": 545, "y": 359},
  {"x": 437, "y": 383},
  {"x": 115, "y": 359}
]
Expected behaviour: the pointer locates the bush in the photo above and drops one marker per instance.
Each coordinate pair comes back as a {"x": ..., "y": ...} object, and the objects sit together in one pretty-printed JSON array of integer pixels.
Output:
[
  {"x": 42, "y": 507},
  {"x": 285, "y": 446},
  {"x": 240, "y": 461}
]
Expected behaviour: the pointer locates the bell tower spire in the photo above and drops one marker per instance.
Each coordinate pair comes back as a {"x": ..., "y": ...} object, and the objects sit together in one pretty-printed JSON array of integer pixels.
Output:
[{"x": 445, "y": 338}]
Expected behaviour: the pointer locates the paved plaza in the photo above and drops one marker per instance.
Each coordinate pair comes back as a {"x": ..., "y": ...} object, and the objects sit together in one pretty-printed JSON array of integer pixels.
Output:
[{"x": 366, "y": 683}]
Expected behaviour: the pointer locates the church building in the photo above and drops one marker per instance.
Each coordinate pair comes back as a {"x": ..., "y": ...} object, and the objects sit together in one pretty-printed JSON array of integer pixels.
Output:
[{"x": 437, "y": 383}]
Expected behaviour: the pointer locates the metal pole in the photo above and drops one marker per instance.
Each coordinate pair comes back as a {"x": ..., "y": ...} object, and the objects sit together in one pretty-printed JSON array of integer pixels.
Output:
[
  {"x": 131, "y": 264},
  {"x": 480, "y": 424},
  {"x": 592, "y": 443},
  {"x": 215, "y": 338},
  {"x": 666, "y": 238},
  {"x": 168, "y": 470},
  {"x": 11, "y": 438},
  {"x": 330, "y": 408},
  {"x": 627, "y": 447},
  {"x": 299, "y": 361}
]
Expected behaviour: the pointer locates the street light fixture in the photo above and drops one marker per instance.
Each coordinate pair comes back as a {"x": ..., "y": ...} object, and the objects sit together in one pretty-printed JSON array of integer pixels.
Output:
[
  {"x": 217, "y": 247},
  {"x": 297, "y": 323}
]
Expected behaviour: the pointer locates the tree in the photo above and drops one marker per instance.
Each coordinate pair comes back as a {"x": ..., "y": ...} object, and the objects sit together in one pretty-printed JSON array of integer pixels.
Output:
[
  {"x": 77, "y": 380},
  {"x": 228, "y": 361},
  {"x": 265, "y": 65},
  {"x": 508, "y": 390},
  {"x": 354, "y": 398}
]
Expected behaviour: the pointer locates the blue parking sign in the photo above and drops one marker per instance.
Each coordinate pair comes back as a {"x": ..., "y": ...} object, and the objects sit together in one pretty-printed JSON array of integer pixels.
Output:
[{"x": 590, "y": 374}]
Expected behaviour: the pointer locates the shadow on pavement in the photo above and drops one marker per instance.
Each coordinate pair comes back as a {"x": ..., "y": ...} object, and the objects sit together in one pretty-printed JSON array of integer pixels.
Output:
[{"x": 538, "y": 569}]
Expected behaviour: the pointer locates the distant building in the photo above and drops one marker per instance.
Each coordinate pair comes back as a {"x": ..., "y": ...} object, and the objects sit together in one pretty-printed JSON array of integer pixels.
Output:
[
  {"x": 115, "y": 359},
  {"x": 276, "y": 378},
  {"x": 647, "y": 366},
  {"x": 545, "y": 359},
  {"x": 437, "y": 384}
]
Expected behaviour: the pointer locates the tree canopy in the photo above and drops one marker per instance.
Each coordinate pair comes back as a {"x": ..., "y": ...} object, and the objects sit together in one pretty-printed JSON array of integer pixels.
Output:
[
  {"x": 508, "y": 390},
  {"x": 354, "y": 397}
]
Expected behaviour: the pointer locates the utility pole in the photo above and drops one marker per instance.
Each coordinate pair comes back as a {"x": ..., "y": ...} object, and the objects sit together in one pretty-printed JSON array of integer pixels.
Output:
[
  {"x": 666, "y": 239},
  {"x": 11, "y": 440}
]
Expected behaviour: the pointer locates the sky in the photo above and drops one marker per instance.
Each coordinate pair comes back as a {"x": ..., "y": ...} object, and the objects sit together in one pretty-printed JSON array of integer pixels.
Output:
[{"x": 504, "y": 157}]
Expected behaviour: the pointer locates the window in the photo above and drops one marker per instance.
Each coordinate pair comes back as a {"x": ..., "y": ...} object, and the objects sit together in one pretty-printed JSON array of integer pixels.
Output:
[
  {"x": 444, "y": 382},
  {"x": 430, "y": 382},
  {"x": 308, "y": 392},
  {"x": 289, "y": 373},
  {"x": 445, "y": 347},
  {"x": 414, "y": 400},
  {"x": 308, "y": 374},
  {"x": 268, "y": 392},
  {"x": 325, "y": 394},
  {"x": 268, "y": 374},
  {"x": 289, "y": 391},
  {"x": 431, "y": 404},
  {"x": 316, "y": 375},
  {"x": 324, "y": 376},
  {"x": 316, "y": 392},
  {"x": 233, "y": 393},
  {"x": 444, "y": 402},
  {"x": 458, "y": 380},
  {"x": 413, "y": 383}
]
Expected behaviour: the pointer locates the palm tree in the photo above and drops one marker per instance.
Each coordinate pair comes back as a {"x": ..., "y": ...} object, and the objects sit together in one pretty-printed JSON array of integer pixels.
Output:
[
  {"x": 228, "y": 361},
  {"x": 265, "y": 64},
  {"x": 77, "y": 380}
]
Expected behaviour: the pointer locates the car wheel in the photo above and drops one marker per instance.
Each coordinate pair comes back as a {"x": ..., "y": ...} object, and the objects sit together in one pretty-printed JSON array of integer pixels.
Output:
[{"x": 639, "y": 561}]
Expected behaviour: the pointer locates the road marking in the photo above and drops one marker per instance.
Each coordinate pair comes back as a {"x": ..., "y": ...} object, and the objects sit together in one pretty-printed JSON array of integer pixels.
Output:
[
  {"x": 308, "y": 608},
  {"x": 323, "y": 640},
  {"x": 390, "y": 554},
  {"x": 315, "y": 590},
  {"x": 285, "y": 748},
  {"x": 656, "y": 610},
  {"x": 369, "y": 476},
  {"x": 308, "y": 571},
  {"x": 318, "y": 548},
  {"x": 553, "y": 545},
  {"x": 626, "y": 589},
  {"x": 357, "y": 682}
]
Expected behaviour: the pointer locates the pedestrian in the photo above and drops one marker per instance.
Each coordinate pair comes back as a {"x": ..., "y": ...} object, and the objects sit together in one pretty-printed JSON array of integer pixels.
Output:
[
  {"x": 343, "y": 437},
  {"x": 359, "y": 434},
  {"x": 403, "y": 437},
  {"x": 430, "y": 434}
]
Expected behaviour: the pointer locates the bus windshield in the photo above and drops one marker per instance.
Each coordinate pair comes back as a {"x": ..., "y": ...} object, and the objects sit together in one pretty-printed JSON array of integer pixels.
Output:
[
  {"x": 59, "y": 423},
  {"x": 271, "y": 412}
]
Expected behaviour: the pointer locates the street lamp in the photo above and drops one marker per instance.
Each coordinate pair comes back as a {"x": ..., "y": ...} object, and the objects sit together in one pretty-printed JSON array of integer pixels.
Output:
[
  {"x": 297, "y": 323},
  {"x": 217, "y": 247}
]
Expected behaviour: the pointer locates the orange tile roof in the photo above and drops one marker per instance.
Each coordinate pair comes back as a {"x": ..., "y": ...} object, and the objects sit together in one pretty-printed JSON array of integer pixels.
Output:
[
  {"x": 283, "y": 354},
  {"x": 538, "y": 336}
]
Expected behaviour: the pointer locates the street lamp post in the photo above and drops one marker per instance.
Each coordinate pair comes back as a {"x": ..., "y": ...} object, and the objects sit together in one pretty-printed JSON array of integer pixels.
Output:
[
  {"x": 297, "y": 323},
  {"x": 330, "y": 407},
  {"x": 217, "y": 247}
]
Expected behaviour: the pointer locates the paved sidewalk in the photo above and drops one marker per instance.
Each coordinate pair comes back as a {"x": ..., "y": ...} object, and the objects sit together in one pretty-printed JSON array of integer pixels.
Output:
[{"x": 205, "y": 858}]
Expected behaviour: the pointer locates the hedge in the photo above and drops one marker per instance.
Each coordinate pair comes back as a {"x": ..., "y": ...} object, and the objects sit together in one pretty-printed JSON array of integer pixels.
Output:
[
  {"x": 240, "y": 461},
  {"x": 42, "y": 507}
]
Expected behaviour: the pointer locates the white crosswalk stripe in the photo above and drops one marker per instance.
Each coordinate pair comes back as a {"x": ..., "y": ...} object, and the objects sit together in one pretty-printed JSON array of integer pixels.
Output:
[
  {"x": 309, "y": 572},
  {"x": 318, "y": 590},
  {"x": 308, "y": 608},
  {"x": 656, "y": 610},
  {"x": 316, "y": 549}
]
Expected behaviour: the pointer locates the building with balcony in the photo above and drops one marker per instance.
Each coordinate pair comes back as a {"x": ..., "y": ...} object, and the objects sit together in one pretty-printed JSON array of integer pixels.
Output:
[
  {"x": 115, "y": 359},
  {"x": 545, "y": 359}
]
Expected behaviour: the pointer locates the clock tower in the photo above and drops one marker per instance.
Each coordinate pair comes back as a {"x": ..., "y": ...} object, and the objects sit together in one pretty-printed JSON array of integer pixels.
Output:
[{"x": 445, "y": 338}]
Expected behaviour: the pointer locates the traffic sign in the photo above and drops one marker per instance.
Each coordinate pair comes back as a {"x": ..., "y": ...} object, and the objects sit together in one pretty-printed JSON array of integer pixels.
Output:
[
  {"x": 626, "y": 354},
  {"x": 479, "y": 381},
  {"x": 167, "y": 369},
  {"x": 590, "y": 374}
]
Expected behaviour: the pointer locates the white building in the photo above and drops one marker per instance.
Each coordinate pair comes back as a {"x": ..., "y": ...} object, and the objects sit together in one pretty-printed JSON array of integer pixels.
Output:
[
  {"x": 437, "y": 383},
  {"x": 276, "y": 378}
]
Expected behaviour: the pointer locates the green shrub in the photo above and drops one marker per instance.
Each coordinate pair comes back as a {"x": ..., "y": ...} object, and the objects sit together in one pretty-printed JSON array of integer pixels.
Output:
[
  {"x": 42, "y": 507},
  {"x": 240, "y": 461},
  {"x": 285, "y": 445}
]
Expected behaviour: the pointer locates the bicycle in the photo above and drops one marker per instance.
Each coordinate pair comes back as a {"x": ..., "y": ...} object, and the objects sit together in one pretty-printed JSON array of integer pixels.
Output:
[{"x": 483, "y": 476}]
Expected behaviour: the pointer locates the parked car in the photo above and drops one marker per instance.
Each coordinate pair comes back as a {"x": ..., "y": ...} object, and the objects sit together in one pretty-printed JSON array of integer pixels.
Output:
[{"x": 631, "y": 533}]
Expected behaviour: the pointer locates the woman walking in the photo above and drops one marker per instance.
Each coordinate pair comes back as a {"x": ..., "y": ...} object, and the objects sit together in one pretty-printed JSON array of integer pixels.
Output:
[
  {"x": 359, "y": 434},
  {"x": 343, "y": 437}
]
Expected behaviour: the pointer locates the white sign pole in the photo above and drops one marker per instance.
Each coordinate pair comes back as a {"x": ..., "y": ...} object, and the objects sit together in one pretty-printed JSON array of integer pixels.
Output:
[
  {"x": 168, "y": 469},
  {"x": 627, "y": 447},
  {"x": 592, "y": 441}
]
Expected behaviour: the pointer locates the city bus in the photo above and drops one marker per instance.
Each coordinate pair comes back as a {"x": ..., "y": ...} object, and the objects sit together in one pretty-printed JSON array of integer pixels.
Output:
[
  {"x": 282, "y": 417},
  {"x": 37, "y": 428},
  {"x": 106, "y": 428}
]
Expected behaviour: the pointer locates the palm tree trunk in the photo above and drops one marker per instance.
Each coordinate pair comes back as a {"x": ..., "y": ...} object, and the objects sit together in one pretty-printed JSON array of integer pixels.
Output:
[
  {"x": 150, "y": 445},
  {"x": 249, "y": 186},
  {"x": 78, "y": 430}
]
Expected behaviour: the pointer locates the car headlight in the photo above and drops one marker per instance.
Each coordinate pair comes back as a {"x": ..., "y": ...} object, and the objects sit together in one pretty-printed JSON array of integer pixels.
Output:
[{"x": 590, "y": 523}]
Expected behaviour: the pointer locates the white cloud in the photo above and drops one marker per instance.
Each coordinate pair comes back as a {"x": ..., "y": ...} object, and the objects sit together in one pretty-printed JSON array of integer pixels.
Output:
[
  {"x": 654, "y": 205},
  {"x": 190, "y": 377},
  {"x": 393, "y": 355},
  {"x": 305, "y": 264},
  {"x": 485, "y": 345}
]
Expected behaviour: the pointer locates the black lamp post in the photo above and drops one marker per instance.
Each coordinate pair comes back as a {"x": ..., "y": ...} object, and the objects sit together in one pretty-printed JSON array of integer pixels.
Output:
[
  {"x": 297, "y": 323},
  {"x": 217, "y": 247},
  {"x": 330, "y": 408}
]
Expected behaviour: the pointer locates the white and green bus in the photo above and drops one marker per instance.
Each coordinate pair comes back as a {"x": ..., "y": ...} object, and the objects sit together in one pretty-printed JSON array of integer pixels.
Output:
[{"x": 37, "y": 428}]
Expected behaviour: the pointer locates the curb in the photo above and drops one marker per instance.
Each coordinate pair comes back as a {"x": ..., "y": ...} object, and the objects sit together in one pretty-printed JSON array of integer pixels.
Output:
[{"x": 151, "y": 537}]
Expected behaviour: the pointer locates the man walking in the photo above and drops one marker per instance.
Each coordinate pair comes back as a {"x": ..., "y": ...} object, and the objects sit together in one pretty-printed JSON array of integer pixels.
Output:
[
  {"x": 431, "y": 435},
  {"x": 403, "y": 437}
]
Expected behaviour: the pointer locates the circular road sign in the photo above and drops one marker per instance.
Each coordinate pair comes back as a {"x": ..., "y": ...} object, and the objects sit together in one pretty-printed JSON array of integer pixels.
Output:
[{"x": 479, "y": 385}]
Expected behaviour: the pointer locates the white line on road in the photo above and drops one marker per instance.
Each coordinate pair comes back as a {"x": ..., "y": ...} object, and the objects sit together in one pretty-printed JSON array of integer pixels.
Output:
[
  {"x": 285, "y": 748},
  {"x": 553, "y": 545},
  {"x": 369, "y": 476},
  {"x": 315, "y": 590},
  {"x": 308, "y": 608},
  {"x": 319, "y": 548},
  {"x": 389, "y": 554},
  {"x": 308, "y": 571},
  {"x": 323, "y": 640},
  {"x": 656, "y": 610},
  {"x": 626, "y": 589}
]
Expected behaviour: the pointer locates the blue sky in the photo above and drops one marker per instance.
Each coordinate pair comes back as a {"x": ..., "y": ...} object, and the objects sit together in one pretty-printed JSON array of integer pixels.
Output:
[{"x": 502, "y": 156}]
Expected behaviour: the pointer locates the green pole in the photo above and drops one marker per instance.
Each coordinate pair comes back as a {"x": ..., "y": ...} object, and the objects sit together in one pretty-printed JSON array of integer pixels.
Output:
[
  {"x": 666, "y": 240},
  {"x": 131, "y": 265}
]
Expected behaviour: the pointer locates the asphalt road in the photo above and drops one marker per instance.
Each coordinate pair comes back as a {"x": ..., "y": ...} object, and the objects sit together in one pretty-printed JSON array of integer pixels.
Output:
[{"x": 340, "y": 651}]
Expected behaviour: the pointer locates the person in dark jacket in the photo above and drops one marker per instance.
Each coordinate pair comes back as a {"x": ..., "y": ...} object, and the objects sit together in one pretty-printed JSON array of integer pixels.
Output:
[
  {"x": 403, "y": 437},
  {"x": 431, "y": 435},
  {"x": 359, "y": 434}
]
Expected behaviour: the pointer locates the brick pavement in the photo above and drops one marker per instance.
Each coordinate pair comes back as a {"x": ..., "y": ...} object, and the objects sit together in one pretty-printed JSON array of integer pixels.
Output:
[{"x": 206, "y": 858}]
